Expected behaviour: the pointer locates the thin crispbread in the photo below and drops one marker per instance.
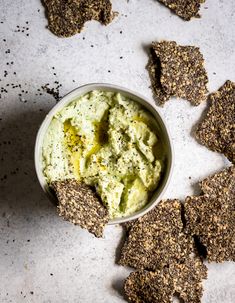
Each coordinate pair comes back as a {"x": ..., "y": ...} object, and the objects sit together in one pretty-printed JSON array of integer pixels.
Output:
[
  {"x": 187, "y": 279},
  {"x": 185, "y": 9},
  {"x": 183, "y": 280},
  {"x": 157, "y": 238},
  {"x": 149, "y": 287},
  {"x": 183, "y": 74},
  {"x": 66, "y": 18},
  {"x": 217, "y": 130},
  {"x": 79, "y": 205},
  {"x": 211, "y": 217}
]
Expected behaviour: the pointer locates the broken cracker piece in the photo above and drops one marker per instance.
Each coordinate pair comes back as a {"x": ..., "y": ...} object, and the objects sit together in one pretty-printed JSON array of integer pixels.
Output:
[
  {"x": 187, "y": 279},
  {"x": 149, "y": 287},
  {"x": 182, "y": 71},
  {"x": 66, "y": 18},
  {"x": 211, "y": 217},
  {"x": 213, "y": 224},
  {"x": 185, "y": 9},
  {"x": 79, "y": 205},
  {"x": 220, "y": 186},
  {"x": 217, "y": 130},
  {"x": 157, "y": 238},
  {"x": 183, "y": 280}
]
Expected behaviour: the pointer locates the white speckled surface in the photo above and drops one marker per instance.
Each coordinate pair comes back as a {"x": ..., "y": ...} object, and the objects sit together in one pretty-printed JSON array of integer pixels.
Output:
[{"x": 42, "y": 258}]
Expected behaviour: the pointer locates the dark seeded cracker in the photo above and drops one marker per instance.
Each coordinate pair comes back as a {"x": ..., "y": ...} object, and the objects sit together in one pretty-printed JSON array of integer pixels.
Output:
[
  {"x": 67, "y": 17},
  {"x": 221, "y": 185},
  {"x": 183, "y": 279},
  {"x": 217, "y": 130},
  {"x": 157, "y": 238},
  {"x": 211, "y": 216},
  {"x": 79, "y": 205},
  {"x": 185, "y": 9},
  {"x": 149, "y": 287},
  {"x": 187, "y": 279},
  {"x": 182, "y": 71}
]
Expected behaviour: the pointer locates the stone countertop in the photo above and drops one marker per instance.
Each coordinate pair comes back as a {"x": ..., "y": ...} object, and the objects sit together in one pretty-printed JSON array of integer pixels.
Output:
[{"x": 42, "y": 258}]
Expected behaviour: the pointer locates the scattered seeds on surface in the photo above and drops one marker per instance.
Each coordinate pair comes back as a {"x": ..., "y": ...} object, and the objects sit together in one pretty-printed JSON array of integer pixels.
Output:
[
  {"x": 177, "y": 71},
  {"x": 217, "y": 130},
  {"x": 22, "y": 29},
  {"x": 211, "y": 216},
  {"x": 184, "y": 9},
  {"x": 53, "y": 91},
  {"x": 79, "y": 205},
  {"x": 66, "y": 18},
  {"x": 156, "y": 239}
]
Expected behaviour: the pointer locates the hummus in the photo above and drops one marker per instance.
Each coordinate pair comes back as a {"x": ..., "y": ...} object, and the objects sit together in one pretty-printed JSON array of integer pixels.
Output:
[{"x": 105, "y": 140}]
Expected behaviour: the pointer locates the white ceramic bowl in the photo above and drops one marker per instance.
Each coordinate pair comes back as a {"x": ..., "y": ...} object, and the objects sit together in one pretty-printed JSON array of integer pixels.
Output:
[{"x": 161, "y": 131}]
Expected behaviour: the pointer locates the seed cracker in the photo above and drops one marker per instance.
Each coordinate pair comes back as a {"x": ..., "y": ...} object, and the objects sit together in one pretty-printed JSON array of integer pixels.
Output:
[
  {"x": 149, "y": 287},
  {"x": 187, "y": 279},
  {"x": 183, "y": 280},
  {"x": 217, "y": 130},
  {"x": 211, "y": 216},
  {"x": 185, "y": 9},
  {"x": 66, "y": 18},
  {"x": 182, "y": 72},
  {"x": 221, "y": 185},
  {"x": 157, "y": 238},
  {"x": 79, "y": 205}
]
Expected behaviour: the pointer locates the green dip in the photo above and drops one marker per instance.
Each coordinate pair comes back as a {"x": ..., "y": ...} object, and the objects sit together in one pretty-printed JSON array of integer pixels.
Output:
[{"x": 107, "y": 141}]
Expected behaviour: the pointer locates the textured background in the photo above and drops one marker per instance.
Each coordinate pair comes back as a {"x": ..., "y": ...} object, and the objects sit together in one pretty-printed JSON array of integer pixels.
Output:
[{"x": 42, "y": 258}]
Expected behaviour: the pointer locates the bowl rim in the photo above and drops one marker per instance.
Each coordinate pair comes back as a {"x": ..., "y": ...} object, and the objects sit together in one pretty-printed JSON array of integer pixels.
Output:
[{"x": 137, "y": 97}]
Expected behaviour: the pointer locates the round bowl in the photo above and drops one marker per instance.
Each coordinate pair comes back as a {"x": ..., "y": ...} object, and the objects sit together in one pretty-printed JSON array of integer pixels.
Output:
[{"x": 161, "y": 130}]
